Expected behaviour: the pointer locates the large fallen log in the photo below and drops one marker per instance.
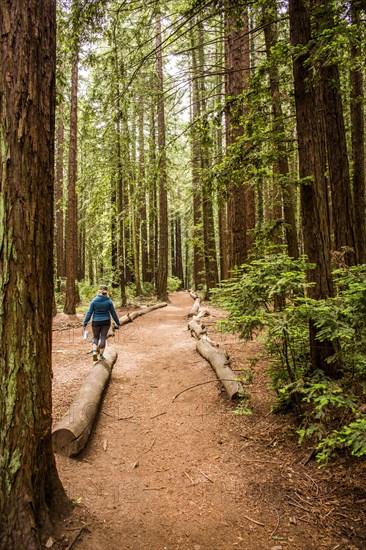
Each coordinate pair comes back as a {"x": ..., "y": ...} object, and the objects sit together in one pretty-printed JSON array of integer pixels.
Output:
[
  {"x": 196, "y": 328},
  {"x": 71, "y": 433},
  {"x": 196, "y": 304},
  {"x": 220, "y": 363},
  {"x": 129, "y": 317}
]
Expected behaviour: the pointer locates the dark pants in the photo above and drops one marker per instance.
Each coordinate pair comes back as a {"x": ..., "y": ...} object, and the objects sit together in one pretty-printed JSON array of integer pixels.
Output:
[{"x": 100, "y": 333}]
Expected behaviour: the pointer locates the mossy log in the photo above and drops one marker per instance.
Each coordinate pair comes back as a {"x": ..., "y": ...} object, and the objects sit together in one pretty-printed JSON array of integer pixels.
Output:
[
  {"x": 220, "y": 362},
  {"x": 71, "y": 433}
]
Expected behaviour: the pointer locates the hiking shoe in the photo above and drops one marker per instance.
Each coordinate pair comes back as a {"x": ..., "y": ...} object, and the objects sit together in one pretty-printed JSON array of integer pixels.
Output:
[
  {"x": 101, "y": 357},
  {"x": 95, "y": 356}
]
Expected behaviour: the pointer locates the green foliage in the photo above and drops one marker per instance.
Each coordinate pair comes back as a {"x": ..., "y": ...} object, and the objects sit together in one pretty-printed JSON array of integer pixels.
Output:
[
  {"x": 352, "y": 436},
  {"x": 258, "y": 289},
  {"x": 174, "y": 284},
  {"x": 268, "y": 298},
  {"x": 326, "y": 403}
]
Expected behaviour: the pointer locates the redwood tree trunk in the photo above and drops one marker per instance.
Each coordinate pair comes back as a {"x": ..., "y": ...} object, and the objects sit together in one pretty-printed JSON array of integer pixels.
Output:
[
  {"x": 270, "y": 17},
  {"x": 119, "y": 185},
  {"x": 60, "y": 251},
  {"x": 152, "y": 214},
  {"x": 142, "y": 193},
  {"x": 71, "y": 227},
  {"x": 209, "y": 249},
  {"x": 29, "y": 485},
  {"x": 237, "y": 79},
  {"x": 312, "y": 165},
  {"x": 198, "y": 263},
  {"x": 338, "y": 165},
  {"x": 178, "y": 249},
  {"x": 162, "y": 274},
  {"x": 358, "y": 136},
  {"x": 114, "y": 233}
]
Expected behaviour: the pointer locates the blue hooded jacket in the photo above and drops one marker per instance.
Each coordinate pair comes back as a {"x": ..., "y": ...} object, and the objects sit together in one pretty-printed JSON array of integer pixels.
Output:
[{"x": 101, "y": 308}]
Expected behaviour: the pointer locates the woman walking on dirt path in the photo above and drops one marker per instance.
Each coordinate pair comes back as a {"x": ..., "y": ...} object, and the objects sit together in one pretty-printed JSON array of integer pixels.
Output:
[{"x": 100, "y": 309}]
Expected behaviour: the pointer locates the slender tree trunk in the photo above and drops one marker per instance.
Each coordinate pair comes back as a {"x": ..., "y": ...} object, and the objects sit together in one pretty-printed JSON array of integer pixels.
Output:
[
  {"x": 127, "y": 206},
  {"x": 237, "y": 79},
  {"x": 172, "y": 246},
  {"x": 162, "y": 275},
  {"x": 59, "y": 181},
  {"x": 209, "y": 244},
  {"x": 71, "y": 226},
  {"x": 152, "y": 214},
  {"x": 270, "y": 15},
  {"x": 143, "y": 206},
  {"x": 81, "y": 251},
  {"x": 134, "y": 189},
  {"x": 198, "y": 261},
  {"x": 222, "y": 218},
  {"x": 178, "y": 249},
  {"x": 358, "y": 135},
  {"x": 90, "y": 262},
  {"x": 114, "y": 230},
  {"x": 120, "y": 208},
  {"x": 30, "y": 489},
  {"x": 312, "y": 164},
  {"x": 119, "y": 185},
  {"x": 222, "y": 204}
]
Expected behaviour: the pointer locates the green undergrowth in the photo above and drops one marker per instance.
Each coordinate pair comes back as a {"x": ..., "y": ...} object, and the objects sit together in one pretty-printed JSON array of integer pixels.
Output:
[
  {"x": 269, "y": 299},
  {"x": 88, "y": 291}
]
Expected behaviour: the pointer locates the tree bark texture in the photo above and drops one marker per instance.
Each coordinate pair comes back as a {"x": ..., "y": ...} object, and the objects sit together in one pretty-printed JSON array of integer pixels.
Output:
[
  {"x": 72, "y": 432},
  {"x": 218, "y": 358},
  {"x": 59, "y": 180},
  {"x": 338, "y": 165},
  {"x": 220, "y": 363},
  {"x": 198, "y": 262},
  {"x": 29, "y": 485},
  {"x": 209, "y": 242},
  {"x": 71, "y": 226},
  {"x": 114, "y": 233},
  {"x": 270, "y": 16},
  {"x": 222, "y": 199},
  {"x": 152, "y": 211},
  {"x": 142, "y": 192},
  {"x": 162, "y": 274},
  {"x": 312, "y": 167},
  {"x": 358, "y": 134},
  {"x": 237, "y": 80},
  {"x": 178, "y": 249}
]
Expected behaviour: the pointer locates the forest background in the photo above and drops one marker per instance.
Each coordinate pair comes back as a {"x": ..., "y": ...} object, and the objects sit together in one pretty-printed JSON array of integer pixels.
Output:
[
  {"x": 211, "y": 145},
  {"x": 220, "y": 146}
]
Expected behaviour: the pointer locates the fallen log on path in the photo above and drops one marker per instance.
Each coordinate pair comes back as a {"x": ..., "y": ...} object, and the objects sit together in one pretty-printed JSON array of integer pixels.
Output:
[
  {"x": 71, "y": 433},
  {"x": 129, "y": 317},
  {"x": 218, "y": 358},
  {"x": 196, "y": 328},
  {"x": 220, "y": 362},
  {"x": 196, "y": 305}
]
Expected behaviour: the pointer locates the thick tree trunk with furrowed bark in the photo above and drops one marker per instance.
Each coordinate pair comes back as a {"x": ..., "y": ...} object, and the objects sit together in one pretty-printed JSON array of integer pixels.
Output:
[
  {"x": 30, "y": 489},
  {"x": 312, "y": 163}
]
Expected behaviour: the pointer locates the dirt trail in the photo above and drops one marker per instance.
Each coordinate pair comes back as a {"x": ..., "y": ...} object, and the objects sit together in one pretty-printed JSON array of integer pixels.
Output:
[{"x": 185, "y": 474}]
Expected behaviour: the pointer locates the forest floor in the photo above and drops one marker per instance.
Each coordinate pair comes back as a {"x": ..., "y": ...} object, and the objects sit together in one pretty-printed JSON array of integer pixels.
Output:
[{"x": 187, "y": 473}]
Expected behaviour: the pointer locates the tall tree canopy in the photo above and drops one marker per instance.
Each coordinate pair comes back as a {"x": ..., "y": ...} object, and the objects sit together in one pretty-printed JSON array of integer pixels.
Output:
[{"x": 192, "y": 137}]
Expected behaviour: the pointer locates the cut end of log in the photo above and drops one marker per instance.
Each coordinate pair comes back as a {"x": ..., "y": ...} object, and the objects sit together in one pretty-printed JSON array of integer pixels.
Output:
[
  {"x": 71, "y": 433},
  {"x": 64, "y": 443}
]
